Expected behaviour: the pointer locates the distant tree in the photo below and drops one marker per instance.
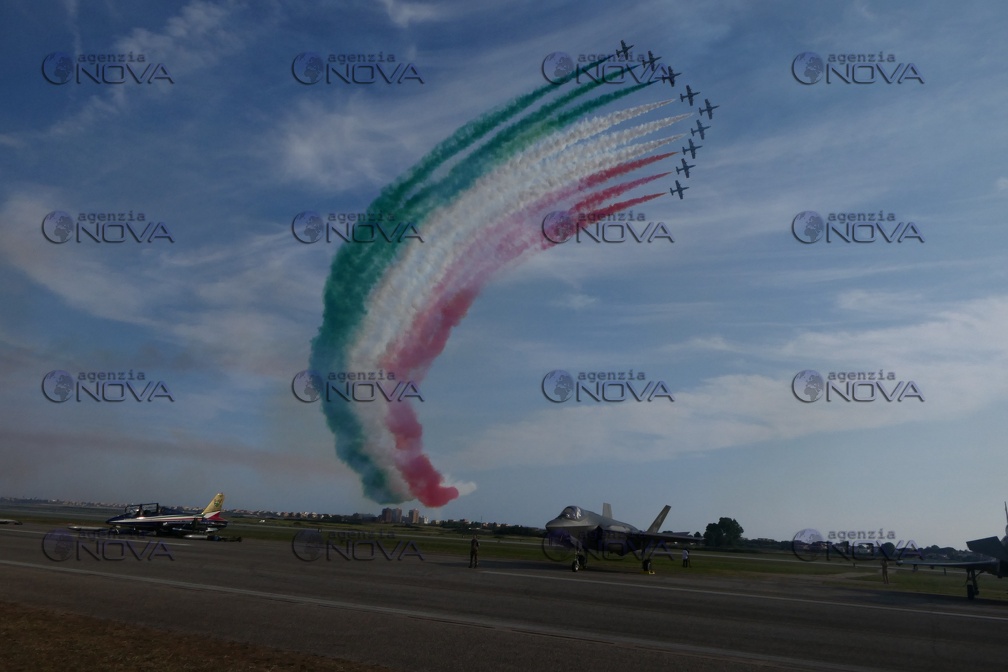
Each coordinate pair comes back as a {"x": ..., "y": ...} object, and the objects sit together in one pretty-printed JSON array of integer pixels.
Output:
[
  {"x": 731, "y": 529},
  {"x": 713, "y": 535},
  {"x": 725, "y": 532}
]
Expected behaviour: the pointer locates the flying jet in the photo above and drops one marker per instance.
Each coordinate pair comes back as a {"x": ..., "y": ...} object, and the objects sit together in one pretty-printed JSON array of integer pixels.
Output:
[
  {"x": 582, "y": 530},
  {"x": 678, "y": 190},
  {"x": 670, "y": 76},
  {"x": 699, "y": 129},
  {"x": 625, "y": 51},
  {"x": 996, "y": 549},
  {"x": 143, "y": 518},
  {"x": 685, "y": 167},
  {"x": 709, "y": 109},
  {"x": 691, "y": 149},
  {"x": 690, "y": 93},
  {"x": 652, "y": 60}
]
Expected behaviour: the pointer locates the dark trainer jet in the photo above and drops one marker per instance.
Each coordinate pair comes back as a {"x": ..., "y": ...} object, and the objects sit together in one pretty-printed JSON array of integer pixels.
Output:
[
  {"x": 699, "y": 129},
  {"x": 996, "y": 549},
  {"x": 691, "y": 149},
  {"x": 690, "y": 93},
  {"x": 582, "y": 530},
  {"x": 625, "y": 51},
  {"x": 652, "y": 60},
  {"x": 670, "y": 76},
  {"x": 709, "y": 109},
  {"x": 685, "y": 167},
  {"x": 678, "y": 190}
]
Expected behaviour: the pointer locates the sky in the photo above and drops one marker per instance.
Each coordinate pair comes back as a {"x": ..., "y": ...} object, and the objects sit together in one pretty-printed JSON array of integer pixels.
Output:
[{"x": 220, "y": 147}]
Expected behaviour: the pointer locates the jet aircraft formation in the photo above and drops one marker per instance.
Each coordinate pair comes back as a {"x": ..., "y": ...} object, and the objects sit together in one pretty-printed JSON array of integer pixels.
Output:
[{"x": 669, "y": 75}]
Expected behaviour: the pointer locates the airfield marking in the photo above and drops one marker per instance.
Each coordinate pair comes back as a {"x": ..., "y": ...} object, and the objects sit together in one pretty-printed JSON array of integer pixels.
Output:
[
  {"x": 757, "y": 597},
  {"x": 40, "y": 532},
  {"x": 474, "y": 621}
]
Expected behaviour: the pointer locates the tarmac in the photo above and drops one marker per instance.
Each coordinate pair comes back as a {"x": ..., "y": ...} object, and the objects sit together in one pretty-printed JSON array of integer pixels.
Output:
[{"x": 394, "y": 605}]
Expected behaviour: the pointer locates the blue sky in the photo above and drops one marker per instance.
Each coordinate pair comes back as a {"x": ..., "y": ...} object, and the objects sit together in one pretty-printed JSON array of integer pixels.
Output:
[{"x": 726, "y": 315}]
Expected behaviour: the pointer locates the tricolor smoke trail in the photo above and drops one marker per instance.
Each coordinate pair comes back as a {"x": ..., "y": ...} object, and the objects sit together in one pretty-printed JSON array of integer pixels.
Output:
[{"x": 478, "y": 199}]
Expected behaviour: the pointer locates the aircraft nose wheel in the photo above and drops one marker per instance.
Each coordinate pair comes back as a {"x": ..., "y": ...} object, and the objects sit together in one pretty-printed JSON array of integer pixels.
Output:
[
  {"x": 580, "y": 562},
  {"x": 646, "y": 566}
]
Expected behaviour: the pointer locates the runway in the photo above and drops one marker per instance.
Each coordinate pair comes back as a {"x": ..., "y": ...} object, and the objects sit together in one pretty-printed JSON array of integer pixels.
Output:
[{"x": 434, "y": 613}]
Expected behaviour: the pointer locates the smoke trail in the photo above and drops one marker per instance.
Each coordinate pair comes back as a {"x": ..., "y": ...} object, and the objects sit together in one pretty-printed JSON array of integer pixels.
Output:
[{"x": 367, "y": 323}]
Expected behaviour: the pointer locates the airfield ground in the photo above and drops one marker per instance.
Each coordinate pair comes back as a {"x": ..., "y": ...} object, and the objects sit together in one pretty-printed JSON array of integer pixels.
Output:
[{"x": 257, "y": 606}]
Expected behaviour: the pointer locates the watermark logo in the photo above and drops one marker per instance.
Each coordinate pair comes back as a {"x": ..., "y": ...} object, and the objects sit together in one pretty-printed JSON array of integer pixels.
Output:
[
  {"x": 809, "y": 227},
  {"x": 353, "y": 386},
  {"x": 60, "y": 68},
  {"x": 810, "y": 386},
  {"x": 609, "y": 386},
  {"x": 312, "y": 545},
  {"x": 809, "y": 68},
  {"x": 810, "y": 544},
  {"x": 59, "y": 386},
  {"x": 352, "y": 227},
  {"x": 64, "y": 544},
  {"x": 310, "y": 68},
  {"x": 560, "y": 226},
  {"x": 605, "y": 545},
  {"x": 103, "y": 227},
  {"x": 610, "y": 68}
]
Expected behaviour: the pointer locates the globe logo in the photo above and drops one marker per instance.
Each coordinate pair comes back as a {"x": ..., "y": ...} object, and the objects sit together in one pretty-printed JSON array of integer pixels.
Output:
[
  {"x": 58, "y": 545},
  {"x": 57, "y": 67},
  {"x": 308, "y": 226},
  {"x": 808, "y": 544},
  {"x": 558, "y": 226},
  {"x": 307, "y": 386},
  {"x": 57, "y": 227},
  {"x": 556, "y": 66},
  {"x": 808, "y": 226},
  {"x": 308, "y": 67},
  {"x": 57, "y": 386},
  {"x": 808, "y": 386},
  {"x": 308, "y": 545},
  {"x": 808, "y": 67},
  {"x": 558, "y": 386}
]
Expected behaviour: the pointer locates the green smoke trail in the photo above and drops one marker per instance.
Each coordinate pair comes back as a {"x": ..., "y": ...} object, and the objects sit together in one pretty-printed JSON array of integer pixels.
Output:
[{"x": 357, "y": 268}]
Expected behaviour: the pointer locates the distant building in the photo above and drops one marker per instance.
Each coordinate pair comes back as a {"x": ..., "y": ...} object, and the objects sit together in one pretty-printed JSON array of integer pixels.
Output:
[{"x": 414, "y": 516}]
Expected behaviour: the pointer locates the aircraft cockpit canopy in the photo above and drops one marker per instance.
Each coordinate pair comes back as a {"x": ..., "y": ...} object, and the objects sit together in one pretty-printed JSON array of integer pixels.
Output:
[
  {"x": 141, "y": 510},
  {"x": 571, "y": 513}
]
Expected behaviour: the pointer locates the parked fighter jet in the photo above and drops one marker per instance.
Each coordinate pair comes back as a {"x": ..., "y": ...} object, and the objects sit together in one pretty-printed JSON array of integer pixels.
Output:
[{"x": 583, "y": 530}]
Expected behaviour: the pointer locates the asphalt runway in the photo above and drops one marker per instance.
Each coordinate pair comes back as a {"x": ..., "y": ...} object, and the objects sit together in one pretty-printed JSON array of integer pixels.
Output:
[{"x": 436, "y": 614}]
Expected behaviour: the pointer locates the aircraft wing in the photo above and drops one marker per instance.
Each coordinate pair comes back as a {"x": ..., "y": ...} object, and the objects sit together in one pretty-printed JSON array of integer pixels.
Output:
[
  {"x": 682, "y": 537},
  {"x": 990, "y": 565}
]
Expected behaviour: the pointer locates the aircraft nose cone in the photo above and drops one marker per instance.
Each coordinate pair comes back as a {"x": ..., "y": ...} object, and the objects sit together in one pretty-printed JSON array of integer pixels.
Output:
[{"x": 559, "y": 523}]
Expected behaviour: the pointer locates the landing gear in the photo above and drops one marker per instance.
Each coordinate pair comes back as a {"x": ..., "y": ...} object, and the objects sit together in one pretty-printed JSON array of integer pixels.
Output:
[
  {"x": 646, "y": 566},
  {"x": 580, "y": 562}
]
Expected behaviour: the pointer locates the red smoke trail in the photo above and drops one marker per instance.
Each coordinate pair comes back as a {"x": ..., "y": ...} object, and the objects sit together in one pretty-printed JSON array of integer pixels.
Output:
[
  {"x": 506, "y": 240},
  {"x": 424, "y": 480}
]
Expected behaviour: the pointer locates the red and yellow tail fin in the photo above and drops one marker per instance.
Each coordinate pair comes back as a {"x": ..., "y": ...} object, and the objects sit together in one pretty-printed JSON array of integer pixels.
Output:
[{"x": 213, "y": 509}]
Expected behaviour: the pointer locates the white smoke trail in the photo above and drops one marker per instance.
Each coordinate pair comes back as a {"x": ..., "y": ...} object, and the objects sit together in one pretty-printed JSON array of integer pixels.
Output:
[
  {"x": 548, "y": 167},
  {"x": 551, "y": 165}
]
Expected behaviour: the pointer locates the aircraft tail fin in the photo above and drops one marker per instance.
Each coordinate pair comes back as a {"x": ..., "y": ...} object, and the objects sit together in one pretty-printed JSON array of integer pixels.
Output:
[
  {"x": 213, "y": 509},
  {"x": 990, "y": 546},
  {"x": 607, "y": 510},
  {"x": 656, "y": 525}
]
